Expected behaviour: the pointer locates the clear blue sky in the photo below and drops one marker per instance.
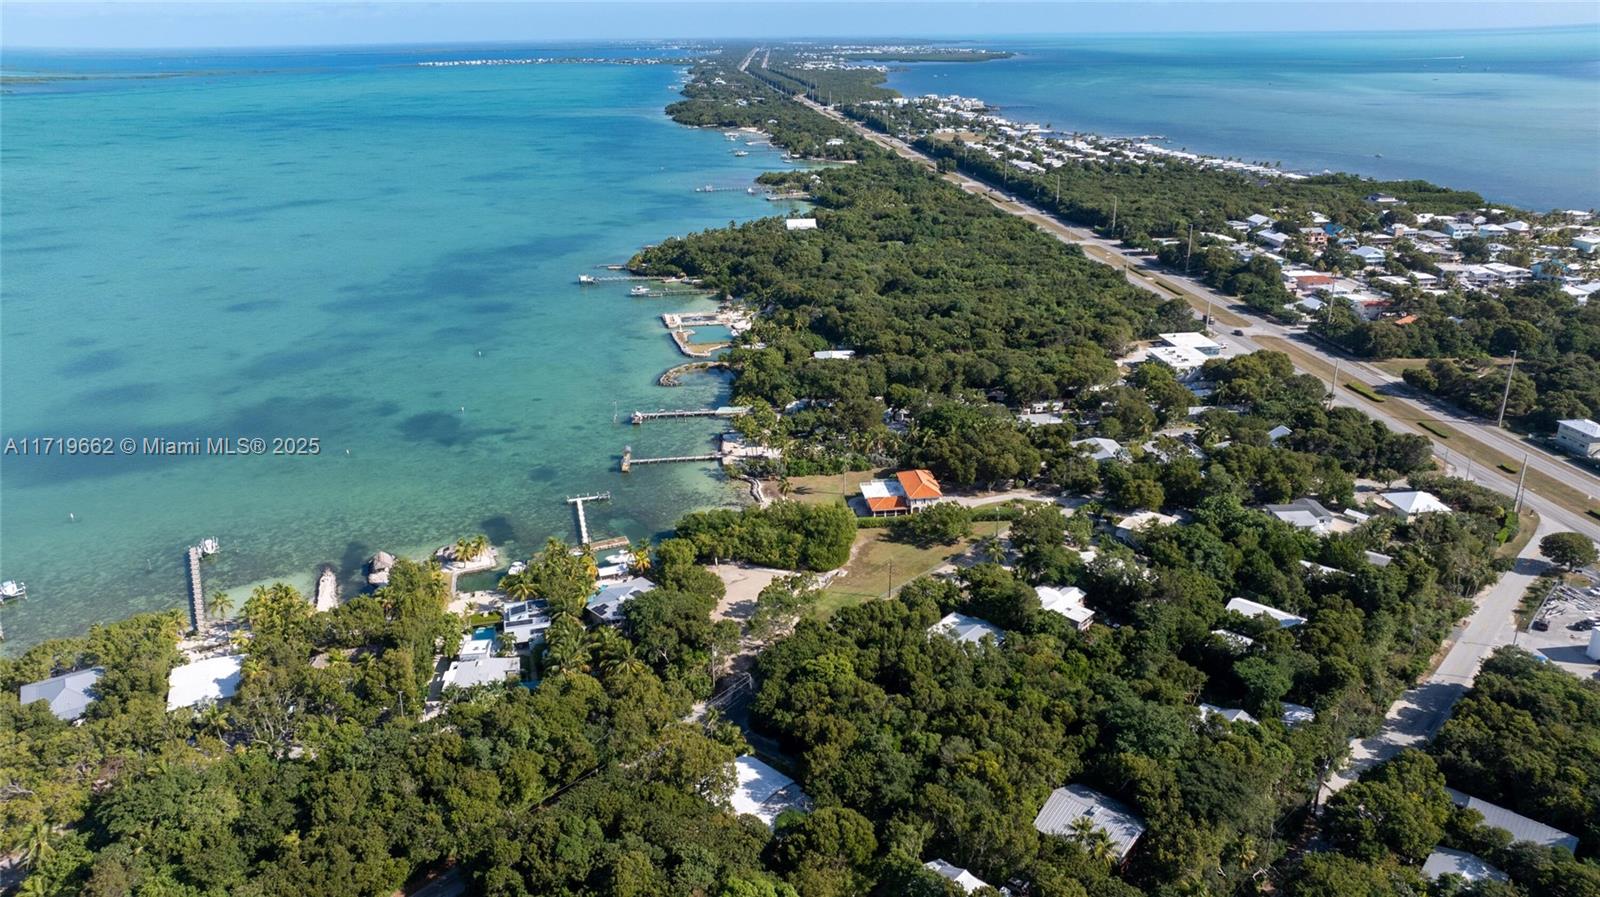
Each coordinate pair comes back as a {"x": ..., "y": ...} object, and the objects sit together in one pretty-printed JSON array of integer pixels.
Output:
[{"x": 282, "y": 23}]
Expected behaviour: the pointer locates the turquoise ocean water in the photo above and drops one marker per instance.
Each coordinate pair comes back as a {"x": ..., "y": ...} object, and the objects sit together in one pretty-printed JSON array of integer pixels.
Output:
[
  {"x": 341, "y": 246},
  {"x": 1514, "y": 115}
]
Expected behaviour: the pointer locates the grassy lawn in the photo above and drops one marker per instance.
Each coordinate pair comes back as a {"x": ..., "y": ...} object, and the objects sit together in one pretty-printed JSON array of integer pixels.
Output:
[
  {"x": 1398, "y": 366},
  {"x": 821, "y": 489},
  {"x": 867, "y": 575},
  {"x": 1527, "y": 522}
]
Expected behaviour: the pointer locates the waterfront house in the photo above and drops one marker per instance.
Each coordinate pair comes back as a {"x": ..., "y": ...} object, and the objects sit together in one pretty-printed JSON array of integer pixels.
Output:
[
  {"x": 834, "y": 354},
  {"x": 1586, "y": 243},
  {"x": 1458, "y": 229},
  {"x": 763, "y": 792},
  {"x": 1382, "y": 199},
  {"x": 965, "y": 629},
  {"x": 606, "y": 605},
  {"x": 68, "y": 695},
  {"x": 1067, "y": 805},
  {"x": 1579, "y": 437},
  {"x": 1068, "y": 602},
  {"x": 204, "y": 682},
  {"x": 1248, "y": 608},
  {"x": 1521, "y": 827},
  {"x": 1410, "y": 505},
  {"x": 910, "y": 491},
  {"x": 526, "y": 621},
  {"x": 800, "y": 223}
]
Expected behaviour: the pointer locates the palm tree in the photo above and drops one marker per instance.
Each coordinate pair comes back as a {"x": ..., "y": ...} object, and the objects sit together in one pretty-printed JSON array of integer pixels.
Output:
[
  {"x": 518, "y": 586},
  {"x": 616, "y": 654},
  {"x": 468, "y": 548},
  {"x": 32, "y": 844},
  {"x": 220, "y": 605},
  {"x": 639, "y": 558},
  {"x": 1094, "y": 840}
]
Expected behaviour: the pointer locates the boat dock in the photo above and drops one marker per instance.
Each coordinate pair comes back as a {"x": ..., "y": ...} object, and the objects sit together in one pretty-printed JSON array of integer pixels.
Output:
[
  {"x": 197, "y": 592},
  {"x": 726, "y": 411},
  {"x": 577, "y": 501},
  {"x": 629, "y": 461}
]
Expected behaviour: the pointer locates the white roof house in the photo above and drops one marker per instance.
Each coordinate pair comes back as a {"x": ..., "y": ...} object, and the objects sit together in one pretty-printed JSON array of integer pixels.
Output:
[
  {"x": 1236, "y": 640},
  {"x": 1074, "y": 802},
  {"x": 606, "y": 605},
  {"x": 1066, "y": 601},
  {"x": 481, "y": 670},
  {"x": 1297, "y": 714},
  {"x": 1250, "y": 608},
  {"x": 1228, "y": 714},
  {"x": 1521, "y": 827},
  {"x": 1580, "y": 437},
  {"x": 68, "y": 695},
  {"x": 1129, "y": 527},
  {"x": 1305, "y": 513},
  {"x": 1410, "y": 504},
  {"x": 960, "y": 876},
  {"x": 1444, "y": 861},
  {"x": 834, "y": 354},
  {"x": 1199, "y": 342},
  {"x": 963, "y": 628},
  {"x": 1184, "y": 361},
  {"x": 800, "y": 223},
  {"x": 1100, "y": 448},
  {"x": 204, "y": 681},
  {"x": 763, "y": 792},
  {"x": 526, "y": 620}
]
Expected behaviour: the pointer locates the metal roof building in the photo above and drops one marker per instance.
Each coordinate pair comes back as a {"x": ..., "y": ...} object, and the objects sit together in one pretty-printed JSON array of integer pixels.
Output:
[
  {"x": 1521, "y": 827},
  {"x": 1444, "y": 861},
  {"x": 1074, "y": 802},
  {"x": 68, "y": 694},
  {"x": 967, "y": 629}
]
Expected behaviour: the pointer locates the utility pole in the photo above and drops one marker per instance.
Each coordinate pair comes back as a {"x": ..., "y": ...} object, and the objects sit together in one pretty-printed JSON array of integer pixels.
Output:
[
  {"x": 1058, "y": 188},
  {"x": 1506, "y": 396},
  {"x": 1333, "y": 385},
  {"x": 1113, "y": 213},
  {"x": 1190, "y": 254},
  {"x": 1516, "y": 508}
]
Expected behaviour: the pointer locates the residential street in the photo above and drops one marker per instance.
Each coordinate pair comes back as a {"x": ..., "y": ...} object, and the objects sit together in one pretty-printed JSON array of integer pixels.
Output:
[{"x": 1416, "y": 717}]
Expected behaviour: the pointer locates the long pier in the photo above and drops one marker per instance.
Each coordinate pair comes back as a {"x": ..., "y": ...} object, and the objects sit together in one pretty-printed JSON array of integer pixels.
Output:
[
  {"x": 629, "y": 461},
  {"x": 577, "y": 501},
  {"x": 728, "y": 411},
  {"x": 197, "y": 594}
]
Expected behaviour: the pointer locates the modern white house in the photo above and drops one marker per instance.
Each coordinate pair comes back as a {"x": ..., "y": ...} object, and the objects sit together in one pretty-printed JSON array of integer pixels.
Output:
[
  {"x": 526, "y": 621},
  {"x": 800, "y": 223},
  {"x": 1066, "y": 601},
  {"x": 1199, "y": 342},
  {"x": 482, "y": 669},
  {"x": 1183, "y": 361},
  {"x": 834, "y": 354},
  {"x": 606, "y": 605},
  {"x": 1227, "y": 714},
  {"x": 1579, "y": 437},
  {"x": 1067, "y": 805},
  {"x": 1283, "y": 618},
  {"x": 1129, "y": 527},
  {"x": 1100, "y": 448}
]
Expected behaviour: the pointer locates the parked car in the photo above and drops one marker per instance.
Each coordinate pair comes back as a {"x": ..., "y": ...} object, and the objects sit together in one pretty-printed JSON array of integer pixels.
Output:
[
  {"x": 1238, "y": 332},
  {"x": 1541, "y": 624},
  {"x": 1582, "y": 626}
]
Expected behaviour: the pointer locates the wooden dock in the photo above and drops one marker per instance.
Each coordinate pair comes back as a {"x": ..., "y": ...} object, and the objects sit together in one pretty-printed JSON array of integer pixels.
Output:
[
  {"x": 629, "y": 461},
  {"x": 727, "y": 411},
  {"x": 578, "y": 501},
  {"x": 197, "y": 593}
]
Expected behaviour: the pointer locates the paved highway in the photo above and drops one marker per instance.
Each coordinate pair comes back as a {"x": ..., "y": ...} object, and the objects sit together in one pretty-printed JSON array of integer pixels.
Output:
[{"x": 1400, "y": 406}]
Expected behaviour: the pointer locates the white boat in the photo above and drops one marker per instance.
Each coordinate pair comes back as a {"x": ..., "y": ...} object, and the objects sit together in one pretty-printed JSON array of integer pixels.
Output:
[
  {"x": 639, "y": 291},
  {"x": 586, "y": 279},
  {"x": 741, "y": 153},
  {"x": 731, "y": 135},
  {"x": 12, "y": 589},
  {"x": 516, "y": 567},
  {"x": 209, "y": 546}
]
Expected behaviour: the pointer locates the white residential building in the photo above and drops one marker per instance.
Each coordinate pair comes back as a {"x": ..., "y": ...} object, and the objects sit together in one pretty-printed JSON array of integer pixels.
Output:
[
  {"x": 204, "y": 681},
  {"x": 965, "y": 629},
  {"x": 1067, "y": 805},
  {"x": 1066, "y": 601},
  {"x": 1248, "y": 608},
  {"x": 1579, "y": 437},
  {"x": 764, "y": 792}
]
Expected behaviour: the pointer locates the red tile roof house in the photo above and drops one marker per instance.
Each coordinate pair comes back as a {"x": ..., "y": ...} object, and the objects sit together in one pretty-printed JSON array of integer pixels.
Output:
[{"x": 910, "y": 491}]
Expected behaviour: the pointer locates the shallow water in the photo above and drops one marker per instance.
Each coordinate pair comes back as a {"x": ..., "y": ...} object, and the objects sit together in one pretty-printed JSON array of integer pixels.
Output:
[{"x": 380, "y": 256}]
